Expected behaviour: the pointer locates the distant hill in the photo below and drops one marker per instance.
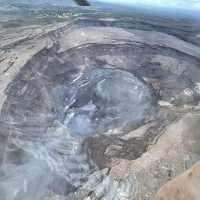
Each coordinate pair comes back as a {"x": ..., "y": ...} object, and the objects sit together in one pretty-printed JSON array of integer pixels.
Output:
[{"x": 35, "y": 2}]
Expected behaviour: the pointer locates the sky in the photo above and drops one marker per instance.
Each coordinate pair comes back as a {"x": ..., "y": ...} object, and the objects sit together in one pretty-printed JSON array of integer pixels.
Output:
[{"x": 182, "y": 4}]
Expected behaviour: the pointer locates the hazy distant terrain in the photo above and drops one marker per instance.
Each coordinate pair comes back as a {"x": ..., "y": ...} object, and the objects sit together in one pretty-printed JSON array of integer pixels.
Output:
[{"x": 39, "y": 2}]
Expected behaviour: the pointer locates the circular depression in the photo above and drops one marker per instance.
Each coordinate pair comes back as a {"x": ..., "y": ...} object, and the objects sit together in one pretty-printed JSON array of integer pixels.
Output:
[{"x": 52, "y": 106}]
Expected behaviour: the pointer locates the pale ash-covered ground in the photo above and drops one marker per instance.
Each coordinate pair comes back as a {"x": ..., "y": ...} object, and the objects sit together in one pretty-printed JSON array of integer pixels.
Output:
[{"x": 92, "y": 110}]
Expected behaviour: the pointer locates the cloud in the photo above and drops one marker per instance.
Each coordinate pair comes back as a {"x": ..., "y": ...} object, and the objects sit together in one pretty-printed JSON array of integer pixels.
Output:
[{"x": 184, "y": 4}]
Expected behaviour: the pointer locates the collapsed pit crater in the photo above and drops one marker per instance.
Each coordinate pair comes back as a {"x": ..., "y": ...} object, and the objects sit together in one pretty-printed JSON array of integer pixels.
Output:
[{"x": 52, "y": 107}]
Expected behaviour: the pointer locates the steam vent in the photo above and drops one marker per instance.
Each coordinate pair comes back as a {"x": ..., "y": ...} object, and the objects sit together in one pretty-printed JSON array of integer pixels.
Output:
[{"x": 96, "y": 106}]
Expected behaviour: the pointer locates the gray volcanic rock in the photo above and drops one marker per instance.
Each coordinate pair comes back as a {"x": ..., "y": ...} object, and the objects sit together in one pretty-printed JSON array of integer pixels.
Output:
[{"x": 91, "y": 110}]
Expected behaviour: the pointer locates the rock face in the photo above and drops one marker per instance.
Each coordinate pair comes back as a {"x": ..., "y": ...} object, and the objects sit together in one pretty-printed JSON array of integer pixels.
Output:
[
  {"x": 94, "y": 109},
  {"x": 184, "y": 187}
]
